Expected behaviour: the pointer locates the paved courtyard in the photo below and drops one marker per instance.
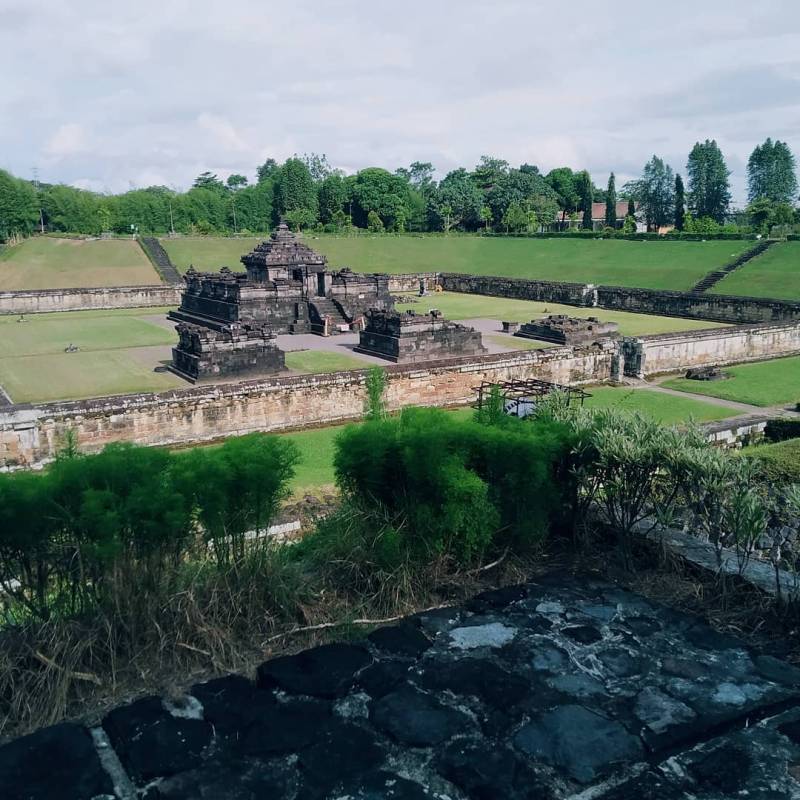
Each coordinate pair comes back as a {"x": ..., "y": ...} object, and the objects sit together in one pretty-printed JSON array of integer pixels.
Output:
[{"x": 561, "y": 688}]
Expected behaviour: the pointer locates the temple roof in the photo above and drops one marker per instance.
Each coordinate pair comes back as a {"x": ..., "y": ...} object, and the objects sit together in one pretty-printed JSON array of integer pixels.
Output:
[{"x": 283, "y": 249}]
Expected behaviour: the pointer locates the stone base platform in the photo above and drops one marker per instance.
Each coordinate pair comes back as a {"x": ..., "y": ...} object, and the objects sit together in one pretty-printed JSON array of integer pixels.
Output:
[{"x": 562, "y": 688}]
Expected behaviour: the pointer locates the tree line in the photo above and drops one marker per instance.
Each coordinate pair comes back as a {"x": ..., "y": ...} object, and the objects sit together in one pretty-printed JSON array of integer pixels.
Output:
[{"x": 308, "y": 193}]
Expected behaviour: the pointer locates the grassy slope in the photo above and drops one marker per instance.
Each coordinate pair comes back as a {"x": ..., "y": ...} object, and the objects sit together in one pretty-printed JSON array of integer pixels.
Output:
[
  {"x": 658, "y": 265},
  {"x": 665, "y": 408},
  {"x": 45, "y": 263},
  {"x": 472, "y": 306},
  {"x": 775, "y": 274},
  {"x": 112, "y": 357},
  {"x": 766, "y": 383},
  {"x": 320, "y": 361}
]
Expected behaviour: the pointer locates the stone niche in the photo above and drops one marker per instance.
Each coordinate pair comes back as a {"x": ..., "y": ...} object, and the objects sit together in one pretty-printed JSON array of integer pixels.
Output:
[
  {"x": 410, "y": 337},
  {"x": 237, "y": 349},
  {"x": 563, "y": 329}
]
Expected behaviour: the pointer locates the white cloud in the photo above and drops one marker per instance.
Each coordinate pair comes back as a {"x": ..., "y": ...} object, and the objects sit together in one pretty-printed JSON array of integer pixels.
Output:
[{"x": 157, "y": 92}]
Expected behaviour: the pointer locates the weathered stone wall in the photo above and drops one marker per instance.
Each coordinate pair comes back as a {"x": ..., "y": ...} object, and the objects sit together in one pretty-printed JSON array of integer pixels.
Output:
[
  {"x": 575, "y": 294},
  {"x": 717, "y": 307},
  {"x": 410, "y": 282},
  {"x": 669, "y": 352},
  {"x": 87, "y": 299},
  {"x": 30, "y": 435},
  {"x": 737, "y": 432}
]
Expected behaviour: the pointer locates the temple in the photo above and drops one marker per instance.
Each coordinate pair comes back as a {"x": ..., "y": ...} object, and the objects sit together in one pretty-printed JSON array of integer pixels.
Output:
[
  {"x": 410, "y": 337},
  {"x": 563, "y": 329},
  {"x": 227, "y": 320}
]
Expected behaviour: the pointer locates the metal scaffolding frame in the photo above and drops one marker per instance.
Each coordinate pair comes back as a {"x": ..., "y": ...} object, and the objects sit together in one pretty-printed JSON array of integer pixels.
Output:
[{"x": 520, "y": 396}]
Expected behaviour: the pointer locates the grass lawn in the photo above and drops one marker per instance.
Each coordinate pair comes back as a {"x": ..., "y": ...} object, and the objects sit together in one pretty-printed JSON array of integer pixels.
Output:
[
  {"x": 118, "y": 353},
  {"x": 665, "y": 408},
  {"x": 473, "y": 306},
  {"x": 656, "y": 265},
  {"x": 322, "y": 361},
  {"x": 208, "y": 253},
  {"x": 518, "y": 343},
  {"x": 765, "y": 383},
  {"x": 775, "y": 274},
  {"x": 45, "y": 263}
]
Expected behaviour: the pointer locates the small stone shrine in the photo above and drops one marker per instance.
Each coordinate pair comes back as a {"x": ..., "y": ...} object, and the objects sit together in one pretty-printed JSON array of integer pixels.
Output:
[
  {"x": 236, "y": 349},
  {"x": 287, "y": 286},
  {"x": 562, "y": 329},
  {"x": 410, "y": 337}
]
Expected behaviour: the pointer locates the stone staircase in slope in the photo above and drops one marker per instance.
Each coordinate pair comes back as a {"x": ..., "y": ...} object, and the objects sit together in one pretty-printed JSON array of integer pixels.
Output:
[
  {"x": 322, "y": 308},
  {"x": 160, "y": 259},
  {"x": 713, "y": 278}
]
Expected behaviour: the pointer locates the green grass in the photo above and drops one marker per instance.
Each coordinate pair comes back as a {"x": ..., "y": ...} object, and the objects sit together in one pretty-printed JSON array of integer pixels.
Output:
[
  {"x": 118, "y": 353},
  {"x": 208, "y": 253},
  {"x": 316, "y": 361},
  {"x": 664, "y": 408},
  {"x": 47, "y": 263},
  {"x": 315, "y": 470},
  {"x": 780, "y": 462},
  {"x": 765, "y": 383},
  {"x": 775, "y": 274},
  {"x": 518, "y": 343},
  {"x": 656, "y": 265},
  {"x": 473, "y": 306}
]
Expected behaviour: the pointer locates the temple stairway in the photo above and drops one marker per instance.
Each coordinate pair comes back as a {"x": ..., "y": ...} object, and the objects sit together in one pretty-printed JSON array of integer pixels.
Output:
[
  {"x": 713, "y": 278},
  {"x": 323, "y": 307}
]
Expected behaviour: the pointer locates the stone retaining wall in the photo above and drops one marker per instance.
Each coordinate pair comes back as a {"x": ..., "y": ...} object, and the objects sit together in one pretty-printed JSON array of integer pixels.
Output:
[
  {"x": 669, "y": 352},
  {"x": 48, "y": 300},
  {"x": 31, "y": 435},
  {"x": 575, "y": 294}
]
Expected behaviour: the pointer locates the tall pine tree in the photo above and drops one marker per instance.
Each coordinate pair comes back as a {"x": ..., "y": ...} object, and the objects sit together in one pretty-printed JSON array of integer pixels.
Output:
[
  {"x": 709, "y": 189},
  {"x": 680, "y": 203},
  {"x": 611, "y": 203},
  {"x": 771, "y": 173}
]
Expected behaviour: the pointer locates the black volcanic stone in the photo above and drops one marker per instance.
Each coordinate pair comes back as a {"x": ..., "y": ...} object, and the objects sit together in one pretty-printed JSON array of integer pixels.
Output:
[
  {"x": 582, "y": 743},
  {"x": 151, "y": 743},
  {"x": 286, "y": 728},
  {"x": 383, "y": 785},
  {"x": 381, "y": 677},
  {"x": 478, "y": 678},
  {"x": 583, "y": 634},
  {"x": 779, "y": 671},
  {"x": 701, "y": 635},
  {"x": 497, "y": 598},
  {"x": 649, "y": 786},
  {"x": 56, "y": 763},
  {"x": 231, "y": 703},
  {"x": 400, "y": 640},
  {"x": 791, "y": 730},
  {"x": 642, "y": 626},
  {"x": 417, "y": 719},
  {"x": 486, "y": 773},
  {"x": 341, "y": 753},
  {"x": 726, "y": 768},
  {"x": 231, "y": 780},
  {"x": 325, "y": 671}
]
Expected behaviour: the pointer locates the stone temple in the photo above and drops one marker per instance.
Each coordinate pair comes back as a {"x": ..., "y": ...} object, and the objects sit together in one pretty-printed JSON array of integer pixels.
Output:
[
  {"x": 563, "y": 329},
  {"x": 410, "y": 337},
  {"x": 226, "y": 318}
]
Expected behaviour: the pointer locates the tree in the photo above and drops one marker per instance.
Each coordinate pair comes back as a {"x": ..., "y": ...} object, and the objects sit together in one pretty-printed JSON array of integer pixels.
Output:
[
  {"x": 236, "y": 182},
  {"x": 521, "y": 188},
  {"x": 486, "y": 217},
  {"x": 375, "y": 189},
  {"x": 771, "y": 173},
  {"x": 318, "y": 166},
  {"x": 655, "y": 193},
  {"x": 680, "y": 203},
  {"x": 19, "y": 209},
  {"x": 709, "y": 188},
  {"x": 489, "y": 171},
  {"x": 765, "y": 213},
  {"x": 585, "y": 189},
  {"x": 631, "y": 207},
  {"x": 611, "y": 202},
  {"x": 459, "y": 193},
  {"x": 208, "y": 180},
  {"x": 562, "y": 181},
  {"x": 515, "y": 218},
  {"x": 299, "y": 218},
  {"x": 374, "y": 222},
  {"x": 419, "y": 175},
  {"x": 332, "y": 197},
  {"x": 295, "y": 189},
  {"x": 267, "y": 171}
]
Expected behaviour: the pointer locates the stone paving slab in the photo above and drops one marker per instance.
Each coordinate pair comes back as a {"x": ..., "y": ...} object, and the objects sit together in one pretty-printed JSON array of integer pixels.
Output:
[{"x": 561, "y": 689}]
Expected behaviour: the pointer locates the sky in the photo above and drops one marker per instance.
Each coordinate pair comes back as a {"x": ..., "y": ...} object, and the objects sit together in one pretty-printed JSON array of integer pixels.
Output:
[{"x": 110, "y": 96}]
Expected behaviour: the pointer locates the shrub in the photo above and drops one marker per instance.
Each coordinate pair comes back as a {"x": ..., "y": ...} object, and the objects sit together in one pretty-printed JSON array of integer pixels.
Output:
[
  {"x": 457, "y": 485},
  {"x": 777, "y": 463}
]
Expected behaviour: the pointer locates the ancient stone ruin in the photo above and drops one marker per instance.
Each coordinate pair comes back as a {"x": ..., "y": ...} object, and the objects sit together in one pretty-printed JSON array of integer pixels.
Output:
[
  {"x": 410, "y": 337},
  {"x": 563, "y": 329},
  {"x": 706, "y": 374},
  {"x": 287, "y": 286},
  {"x": 227, "y": 319},
  {"x": 239, "y": 348}
]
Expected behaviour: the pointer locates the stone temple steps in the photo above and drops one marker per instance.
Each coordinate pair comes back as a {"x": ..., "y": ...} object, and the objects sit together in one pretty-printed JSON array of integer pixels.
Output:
[
  {"x": 160, "y": 259},
  {"x": 325, "y": 307},
  {"x": 705, "y": 283}
]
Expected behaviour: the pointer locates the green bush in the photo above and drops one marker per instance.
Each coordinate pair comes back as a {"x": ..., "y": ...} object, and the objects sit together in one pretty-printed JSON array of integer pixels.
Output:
[
  {"x": 458, "y": 486},
  {"x": 778, "y": 430},
  {"x": 778, "y": 463}
]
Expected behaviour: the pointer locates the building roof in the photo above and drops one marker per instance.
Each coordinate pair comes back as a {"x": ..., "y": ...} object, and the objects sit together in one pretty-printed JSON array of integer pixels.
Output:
[
  {"x": 599, "y": 210},
  {"x": 283, "y": 249}
]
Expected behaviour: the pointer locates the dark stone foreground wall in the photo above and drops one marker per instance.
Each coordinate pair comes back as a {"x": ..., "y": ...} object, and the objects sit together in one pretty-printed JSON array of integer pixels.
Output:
[{"x": 544, "y": 690}]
